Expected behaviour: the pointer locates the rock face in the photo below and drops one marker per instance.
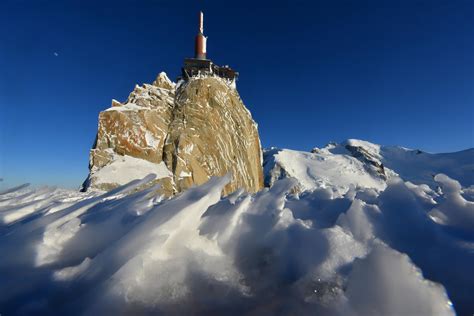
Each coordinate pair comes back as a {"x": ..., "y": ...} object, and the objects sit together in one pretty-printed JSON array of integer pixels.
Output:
[
  {"x": 196, "y": 129},
  {"x": 371, "y": 162}
]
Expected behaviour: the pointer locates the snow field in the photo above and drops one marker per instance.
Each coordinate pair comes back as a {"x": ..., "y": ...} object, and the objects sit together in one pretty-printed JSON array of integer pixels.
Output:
[{"x": 362, "y": 252}]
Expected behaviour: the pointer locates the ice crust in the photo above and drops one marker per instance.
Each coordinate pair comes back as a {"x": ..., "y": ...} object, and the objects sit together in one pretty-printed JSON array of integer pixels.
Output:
[{"x": 402, "y": 250}]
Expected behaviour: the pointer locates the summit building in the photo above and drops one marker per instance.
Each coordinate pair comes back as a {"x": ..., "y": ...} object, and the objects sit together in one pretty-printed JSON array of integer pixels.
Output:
[{"x": 200, "y": 65}]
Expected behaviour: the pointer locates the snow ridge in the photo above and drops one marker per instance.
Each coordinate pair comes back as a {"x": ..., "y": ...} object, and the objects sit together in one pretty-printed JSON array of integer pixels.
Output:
[{"x": 276, "y": 251}]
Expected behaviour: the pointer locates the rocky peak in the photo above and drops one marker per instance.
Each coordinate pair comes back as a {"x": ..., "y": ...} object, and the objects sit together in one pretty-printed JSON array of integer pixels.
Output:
[
  {"x": 195, "y": 130},
  {"x": 162, "y": 81},
  {"x": 372, "y": 163}
]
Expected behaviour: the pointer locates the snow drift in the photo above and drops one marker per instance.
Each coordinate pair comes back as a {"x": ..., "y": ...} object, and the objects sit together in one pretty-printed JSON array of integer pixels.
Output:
[{"x": 404, "y": 249}]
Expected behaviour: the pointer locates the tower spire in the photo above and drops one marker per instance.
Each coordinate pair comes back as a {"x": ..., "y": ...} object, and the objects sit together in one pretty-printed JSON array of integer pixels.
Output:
[
  {"x": 200, "y": 64},
  {"x": 200, "y": 43},
  {"x": 201, "y": 22}
]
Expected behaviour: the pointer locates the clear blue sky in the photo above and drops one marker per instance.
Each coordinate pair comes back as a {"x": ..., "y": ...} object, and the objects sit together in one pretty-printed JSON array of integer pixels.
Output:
[{"x": 391, "y": 72}]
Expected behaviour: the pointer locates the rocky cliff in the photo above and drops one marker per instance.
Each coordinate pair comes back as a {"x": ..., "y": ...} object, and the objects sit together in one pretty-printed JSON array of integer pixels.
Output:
[{"x": 185, "y": 133}]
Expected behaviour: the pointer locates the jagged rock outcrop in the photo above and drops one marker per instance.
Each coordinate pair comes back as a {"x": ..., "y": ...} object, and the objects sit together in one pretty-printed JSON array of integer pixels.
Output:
[
  {"x": 190, "y": 132},
  {"x": 213, "y": 133},
  {"x": 371, "y": 162}
]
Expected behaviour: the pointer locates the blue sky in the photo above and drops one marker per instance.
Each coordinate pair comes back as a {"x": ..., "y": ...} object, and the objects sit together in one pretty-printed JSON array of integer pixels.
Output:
[{"x": 391, "y": 72}]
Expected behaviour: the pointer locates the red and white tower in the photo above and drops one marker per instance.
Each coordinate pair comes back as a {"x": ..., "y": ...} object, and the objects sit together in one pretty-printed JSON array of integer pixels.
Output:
[
  {"x": 200, "y": 45},
  {"x": 200, "y": 65}
]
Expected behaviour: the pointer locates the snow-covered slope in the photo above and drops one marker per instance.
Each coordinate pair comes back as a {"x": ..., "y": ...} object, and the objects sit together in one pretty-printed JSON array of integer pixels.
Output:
[
  {"x": 370, "y": 251},
  {"x": 415, "y": 165},
  {"x": 420, "y": 167},
  {"x": 318, "y": 170},
  {"x": 124, "y": 169},
  {"x": 356, "y": 163}
]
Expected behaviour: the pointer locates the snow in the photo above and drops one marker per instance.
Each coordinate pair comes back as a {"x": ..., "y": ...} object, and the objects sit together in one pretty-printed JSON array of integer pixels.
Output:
[
  {"x": 184, "y": 174},
  {"x": 43, "y": 200},
  {"x": 454, "y": 210},
  {"x": 162, "y": 76},
  {"x": 188, "y": 149},
  {"x": 336, "y": 167},
  {"x": 415, "y": 165},
  {"x": 368, "y": 251},
  {"x": 126, "y": 107},
  {"x": 322, "y": 170},
  {"x": 390, "y": 279},
  {"x": 124, "y": 169},
  {"x": 151, "y": 141},
  {"x": 329, "y": 237},
  {"x": 371, "y": 148},
  {"x": 421, "y": 167}
]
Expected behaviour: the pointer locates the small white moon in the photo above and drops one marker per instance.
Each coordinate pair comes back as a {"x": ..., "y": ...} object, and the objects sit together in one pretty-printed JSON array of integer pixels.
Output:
[{"x": 56, "y": 54}]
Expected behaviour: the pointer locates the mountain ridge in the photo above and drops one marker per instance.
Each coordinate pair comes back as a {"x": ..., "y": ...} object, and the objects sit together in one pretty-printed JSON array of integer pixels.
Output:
[
  {"x": 362, "y": 163},
  {"x": 191, "y": 130}
]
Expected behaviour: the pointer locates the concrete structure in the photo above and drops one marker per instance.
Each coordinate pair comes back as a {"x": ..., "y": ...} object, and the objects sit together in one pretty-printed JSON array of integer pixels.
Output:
[{"x": 200, "y": 65}]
